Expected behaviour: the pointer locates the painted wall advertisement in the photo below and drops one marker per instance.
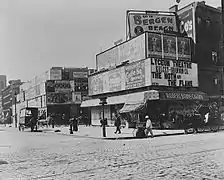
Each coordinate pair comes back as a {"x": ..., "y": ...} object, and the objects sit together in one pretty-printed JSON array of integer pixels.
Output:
[
  {"x": 132, "y": 50},
  {"x": 80, "y": 74},
  {"x": 186, "y": 18},
  {"x": 58, "y": 86},
  {"x": 115, "y": 78},
  {"x": 167, "y": 46},
  {"x": 173, "y": 73},
  {"x": 154, "y": 45},
  {"x": 55, "y": 74},
  {"x": 58, "y": 97},
  {"x": 95, "y": 84},
  {"x": 140, "y": 22},
  {"x": 77, "y": 97},
  {"x": 135, "y": 75}
]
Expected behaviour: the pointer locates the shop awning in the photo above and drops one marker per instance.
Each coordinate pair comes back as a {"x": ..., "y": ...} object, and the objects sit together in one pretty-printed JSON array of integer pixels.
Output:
[
  {"x": 136, "y": 101},
  {"x": 90, "y": 103}
]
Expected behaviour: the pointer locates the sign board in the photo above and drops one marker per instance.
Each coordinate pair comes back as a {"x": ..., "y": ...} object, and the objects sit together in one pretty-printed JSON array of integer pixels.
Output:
[
  {"x": 173, "y": 73},
  {"x": 135, "y": 75},
  {"x": 95, "y": 84},
  {"x": 116, "y": 79},
  {"x": 168, "y": 46},
  {"x": 187, "y": 21},
  {"x": 77, "y": 97},
  {"x": 55, "y": 74},
  {"x": 132, "y": 50},
  {"x": 142, "y": 21},
  {"x": 58, "y": 86},
  {"x": 59, "y": 97},
  {"x": 80, "y": 74},
  {"x": 183, "y": 96}
]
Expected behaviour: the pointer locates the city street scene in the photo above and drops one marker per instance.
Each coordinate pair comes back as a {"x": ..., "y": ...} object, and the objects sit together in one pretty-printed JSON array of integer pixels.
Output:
[{"x": 112, "y": 90}]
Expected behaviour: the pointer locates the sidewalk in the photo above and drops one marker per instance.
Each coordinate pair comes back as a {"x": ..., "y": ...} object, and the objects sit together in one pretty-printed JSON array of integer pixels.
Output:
[{"x": 96, "y": 132}]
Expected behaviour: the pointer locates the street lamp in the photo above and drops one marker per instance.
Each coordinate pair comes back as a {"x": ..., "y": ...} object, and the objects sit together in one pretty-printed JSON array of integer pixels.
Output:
[
  {"x": 103, "y": 101},
  {"x": 222, "y": 46},
  {"x": 15, "y": 110}
]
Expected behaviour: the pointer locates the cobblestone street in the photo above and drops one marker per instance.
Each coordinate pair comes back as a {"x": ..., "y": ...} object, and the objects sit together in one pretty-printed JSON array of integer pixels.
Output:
[{"x": 26, "y": 155}]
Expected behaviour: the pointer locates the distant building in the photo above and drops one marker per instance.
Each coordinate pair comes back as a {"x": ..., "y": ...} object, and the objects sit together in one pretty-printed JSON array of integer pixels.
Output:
[
  {"x": 2, "y": 82},
  {"x": 57, "y": 92},
  {"x": 8, "y": 99}
]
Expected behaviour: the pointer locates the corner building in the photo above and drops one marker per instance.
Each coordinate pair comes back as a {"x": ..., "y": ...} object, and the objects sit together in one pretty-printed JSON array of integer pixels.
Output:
[{"x": 154, "y": 74}]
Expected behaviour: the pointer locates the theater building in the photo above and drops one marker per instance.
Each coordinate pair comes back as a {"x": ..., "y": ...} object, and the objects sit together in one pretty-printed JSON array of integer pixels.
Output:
[{"x": 157, "y": 74}]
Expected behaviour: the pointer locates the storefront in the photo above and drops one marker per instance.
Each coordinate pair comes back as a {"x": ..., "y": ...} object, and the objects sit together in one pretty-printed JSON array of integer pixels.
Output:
[
  {"x": 161, "y": 106},
  {"x": 114, "y": 104}
]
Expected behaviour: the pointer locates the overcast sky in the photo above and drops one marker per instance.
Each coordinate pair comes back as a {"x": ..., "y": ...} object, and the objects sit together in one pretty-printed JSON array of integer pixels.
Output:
[{"x": 38, "y": 34}]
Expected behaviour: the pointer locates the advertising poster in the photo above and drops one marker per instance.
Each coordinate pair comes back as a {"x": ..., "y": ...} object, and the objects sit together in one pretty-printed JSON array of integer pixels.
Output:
[
  {"x": 140, "y": 22},
  {"x": 132, "y": 50},
  {"x": 186, "y": 18},
  {"x": 59, "y": 97},
  {"x": 154, "y": 45},
  {"x": 169, "y": 47},
  {"x": 115, "y": 80},
  {"x": 95, "y": 84},
  {"x": 107, "y": 59},
  {"x": 135, "y": 75},
  {"x": 55, "y": 74},
  {"x": 184, "y": 49},
  {"x": 174, "y": 73},
  {"x": 58, "y": 86},
  {"x": 77, "y": 97},
  {"x": 80, "y": 74}
]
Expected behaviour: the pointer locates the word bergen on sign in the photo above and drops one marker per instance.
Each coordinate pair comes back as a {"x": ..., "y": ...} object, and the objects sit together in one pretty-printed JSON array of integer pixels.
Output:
[
  {"x": 139, "y": 23},
  {"x": 172, "y": 72}
]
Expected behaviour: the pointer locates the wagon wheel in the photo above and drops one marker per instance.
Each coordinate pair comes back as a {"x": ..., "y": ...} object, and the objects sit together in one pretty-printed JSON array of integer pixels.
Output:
[{"x": 214, "y": 128}]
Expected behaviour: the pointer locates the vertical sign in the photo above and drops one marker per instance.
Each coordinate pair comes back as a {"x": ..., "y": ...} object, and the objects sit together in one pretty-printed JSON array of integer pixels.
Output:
[
  {"x": 169, "y": 47},
  {"x": 95, "y": 84},
  {"x": 184, "y": 49},
  {"x": 187, "y": 21},
  {"x": 115, "y": 80},
  {"x": 154, "y": 45},
  {"x": 135, "y": 75}
]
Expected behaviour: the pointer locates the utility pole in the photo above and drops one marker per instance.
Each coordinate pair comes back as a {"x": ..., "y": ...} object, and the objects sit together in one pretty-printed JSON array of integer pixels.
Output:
[
  {"x": 222, "y": 47},
  {"x": 103, "y": 102},
  {"x": 15, "y": 110}
]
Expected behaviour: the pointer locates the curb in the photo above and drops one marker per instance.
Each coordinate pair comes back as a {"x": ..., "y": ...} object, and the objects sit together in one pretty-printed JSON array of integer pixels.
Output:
[
  {"x": 157, "y": 135},
  {"x": 114, "y": 138}
]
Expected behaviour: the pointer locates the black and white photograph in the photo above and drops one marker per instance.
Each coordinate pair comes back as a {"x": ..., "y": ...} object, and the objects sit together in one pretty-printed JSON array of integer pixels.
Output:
[{"x": 111, "y": 90}]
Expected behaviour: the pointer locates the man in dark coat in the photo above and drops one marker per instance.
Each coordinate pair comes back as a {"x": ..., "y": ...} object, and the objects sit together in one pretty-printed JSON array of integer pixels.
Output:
[{"x": 117, "y": 124}]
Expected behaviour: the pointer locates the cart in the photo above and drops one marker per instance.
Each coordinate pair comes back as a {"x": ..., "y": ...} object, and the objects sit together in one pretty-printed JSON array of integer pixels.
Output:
[{"x": 28, "y": 118}]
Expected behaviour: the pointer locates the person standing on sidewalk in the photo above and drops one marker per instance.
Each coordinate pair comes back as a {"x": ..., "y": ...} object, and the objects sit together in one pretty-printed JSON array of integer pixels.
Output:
[
  {"x": 117, "y": 124},
  {"x": 75, "y": 123},
  {"x": 71, "y": 122},
  {"x": 148, "y": 126}
]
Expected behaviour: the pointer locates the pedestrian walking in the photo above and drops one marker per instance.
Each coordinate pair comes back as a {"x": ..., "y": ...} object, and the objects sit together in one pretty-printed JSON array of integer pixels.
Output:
[
  {"x": 71, "y": 122},
  {"x": 75, "y": 123},
  {"x": 117, "y": 124},
  {"x": 148, "y": 126}
]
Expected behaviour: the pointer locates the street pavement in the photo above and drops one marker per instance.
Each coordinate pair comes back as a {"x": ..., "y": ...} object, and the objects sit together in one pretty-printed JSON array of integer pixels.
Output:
[
  {"x": 52, "y": 156},
  {"x": 96, "y": 132}
]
